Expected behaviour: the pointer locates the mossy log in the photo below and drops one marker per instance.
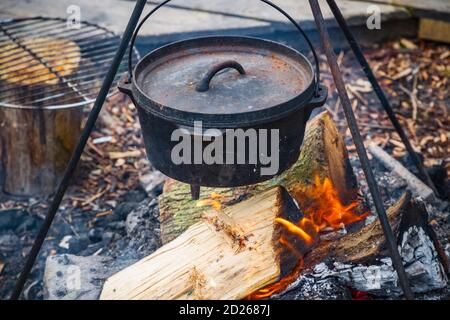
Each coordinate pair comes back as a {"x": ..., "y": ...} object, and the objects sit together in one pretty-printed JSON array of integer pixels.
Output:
[{"x": 323, "y": 152}]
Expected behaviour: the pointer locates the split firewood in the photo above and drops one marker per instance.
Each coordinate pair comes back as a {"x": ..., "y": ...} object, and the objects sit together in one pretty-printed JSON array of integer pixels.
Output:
[
  {"x": 417, "y": 187},
  {"x": 226, "y": 255},
  {"x": 249, "y": 250},
  {"x": 323, "y": 153}
]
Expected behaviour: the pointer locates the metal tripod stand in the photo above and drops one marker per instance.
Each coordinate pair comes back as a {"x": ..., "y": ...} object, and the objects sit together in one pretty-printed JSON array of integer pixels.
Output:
[{"x": 331, "y": 57}]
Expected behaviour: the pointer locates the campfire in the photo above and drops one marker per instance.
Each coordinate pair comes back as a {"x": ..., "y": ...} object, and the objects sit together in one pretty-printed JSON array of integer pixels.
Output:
[
  {"x": 323, "y": 212},
  {"x": 221, "y": 182},
  {"x": 260, "y": 241}
]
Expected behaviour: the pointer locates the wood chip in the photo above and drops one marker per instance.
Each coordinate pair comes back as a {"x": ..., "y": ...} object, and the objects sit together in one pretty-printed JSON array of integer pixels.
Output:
[
  {"x": 127, "y": 154},
  {"x": 408, "y": 44},
  {"x": 403, "y": 73},
  {"x": 94, "y": 197},
  {"x": 103, "y": 214}
]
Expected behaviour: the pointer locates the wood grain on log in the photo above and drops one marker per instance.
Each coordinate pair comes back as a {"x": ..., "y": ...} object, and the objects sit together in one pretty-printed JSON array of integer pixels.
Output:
[{"x": 226, "y": 255}]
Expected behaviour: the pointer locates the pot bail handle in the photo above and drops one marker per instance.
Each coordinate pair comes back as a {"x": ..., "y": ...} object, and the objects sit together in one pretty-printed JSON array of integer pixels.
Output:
[
  {"x": 203, "y": 84},
  {"x": 268, "y": 2}
]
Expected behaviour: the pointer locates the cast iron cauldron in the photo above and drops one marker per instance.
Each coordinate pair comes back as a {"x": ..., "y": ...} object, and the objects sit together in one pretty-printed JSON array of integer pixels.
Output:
[{"x": 224, "y": 83}]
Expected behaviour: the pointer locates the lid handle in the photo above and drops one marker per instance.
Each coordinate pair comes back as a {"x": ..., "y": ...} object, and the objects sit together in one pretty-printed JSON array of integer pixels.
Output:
[{"x": 203, "y": 85}]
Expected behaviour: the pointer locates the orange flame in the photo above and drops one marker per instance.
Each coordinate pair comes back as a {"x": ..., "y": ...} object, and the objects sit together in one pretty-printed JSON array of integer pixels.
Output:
[
  {"x": 297, "y": 230},
  {"x": 322, "y": 209},
  {"x": 214, "y": 201}
]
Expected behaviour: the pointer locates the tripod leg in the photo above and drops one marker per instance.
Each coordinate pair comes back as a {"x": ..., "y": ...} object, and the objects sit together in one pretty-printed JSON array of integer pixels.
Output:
[
  {"x": 107, "y": 82},
  {"x": 379, "y": 92},
  {"x": 338, "y": 80}
]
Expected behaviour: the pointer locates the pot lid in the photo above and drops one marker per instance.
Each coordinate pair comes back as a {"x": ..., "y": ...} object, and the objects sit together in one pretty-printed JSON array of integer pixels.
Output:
[{"x": 224, "y": 80}]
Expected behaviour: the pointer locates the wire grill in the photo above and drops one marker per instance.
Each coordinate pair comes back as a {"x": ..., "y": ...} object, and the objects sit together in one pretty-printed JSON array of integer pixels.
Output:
[{"x": 46, "y": 63}]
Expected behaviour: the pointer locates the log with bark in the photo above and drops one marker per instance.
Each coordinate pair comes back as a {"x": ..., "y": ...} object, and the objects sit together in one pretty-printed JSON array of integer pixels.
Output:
[{"x": 323, "y": 153}]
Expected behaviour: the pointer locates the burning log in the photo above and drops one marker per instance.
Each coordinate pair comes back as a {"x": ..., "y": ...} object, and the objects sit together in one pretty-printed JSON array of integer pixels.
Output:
[
  {"x": 256, "y": 243},
  {"x": 250, "y": 217},
  {"x": 360, "y": 260},
  {"x": 226, "y": 255},
  {"x": 323, "y": 153}
]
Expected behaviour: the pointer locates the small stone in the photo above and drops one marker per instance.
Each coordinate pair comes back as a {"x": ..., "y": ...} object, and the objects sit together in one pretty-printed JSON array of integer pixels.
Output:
[
  {"x": 69, "y": 277},
  {"x": 133, "y": 220},
  {"x": 9, "y": 242}
]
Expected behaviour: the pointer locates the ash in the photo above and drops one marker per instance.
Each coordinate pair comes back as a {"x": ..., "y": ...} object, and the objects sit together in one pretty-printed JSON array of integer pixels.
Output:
[
  {"x": 99, "y": 247},
  {"x": 392, "y": 187}
]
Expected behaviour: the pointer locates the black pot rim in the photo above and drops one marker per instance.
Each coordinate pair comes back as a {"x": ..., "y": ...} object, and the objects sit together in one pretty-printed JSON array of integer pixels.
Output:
[{"x": 303, "y": 99}]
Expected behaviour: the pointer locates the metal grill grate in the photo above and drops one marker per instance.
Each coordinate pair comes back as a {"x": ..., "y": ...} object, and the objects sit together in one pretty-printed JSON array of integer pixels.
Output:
[{"x": 46, "y": 63}]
